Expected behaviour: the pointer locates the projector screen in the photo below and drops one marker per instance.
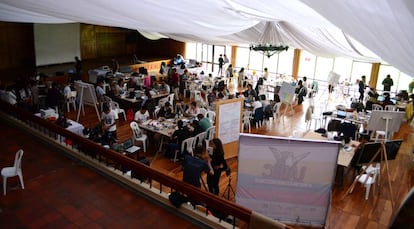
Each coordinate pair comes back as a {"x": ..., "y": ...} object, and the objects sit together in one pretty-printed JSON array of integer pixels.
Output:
[
  {"x": 56, "y": 43},
  {"x": 286, "y": 179}
]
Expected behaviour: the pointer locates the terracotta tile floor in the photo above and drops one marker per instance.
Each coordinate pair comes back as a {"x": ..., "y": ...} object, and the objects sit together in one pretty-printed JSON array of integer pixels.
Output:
[{"x": 60, "y": 193}]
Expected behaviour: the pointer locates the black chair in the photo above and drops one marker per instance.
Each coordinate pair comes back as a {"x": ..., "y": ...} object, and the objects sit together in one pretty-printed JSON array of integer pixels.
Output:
[{"x": 258, "y": 117}]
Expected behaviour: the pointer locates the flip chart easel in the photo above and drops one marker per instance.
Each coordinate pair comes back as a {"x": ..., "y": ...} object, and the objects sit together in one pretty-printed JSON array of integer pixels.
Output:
[
  {"x": 287, "y": 97},
  {"x": 87, "y": 96}
]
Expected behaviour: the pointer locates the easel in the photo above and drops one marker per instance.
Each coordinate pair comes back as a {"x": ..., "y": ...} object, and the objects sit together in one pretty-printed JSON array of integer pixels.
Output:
[
  {"x": 229, "y": 189},
  {"x": 80, "y": 87},
  {"x": 380, "y": 121}
]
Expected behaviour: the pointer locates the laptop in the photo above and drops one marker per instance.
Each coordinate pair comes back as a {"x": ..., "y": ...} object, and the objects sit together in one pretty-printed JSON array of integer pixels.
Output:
[
  {"x": 129, "y": 146},
  {"x": 341, "y": 114}
]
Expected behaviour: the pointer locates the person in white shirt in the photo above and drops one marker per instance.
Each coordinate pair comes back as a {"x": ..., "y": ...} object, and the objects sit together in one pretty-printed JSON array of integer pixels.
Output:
[
  {"x": 67, "y": 90},
  {"x": 193, "y": 110},
  {"x": 100, "y": 92},
  {"x": 109, "y": 120},
  {"x": 141, "y": 115}
]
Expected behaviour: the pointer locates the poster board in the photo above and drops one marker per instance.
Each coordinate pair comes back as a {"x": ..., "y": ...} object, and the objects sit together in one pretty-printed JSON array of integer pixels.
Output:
[
  {"x": 286, "y": 179},
  {"x": 287, "y": 93},
  {"x": 229, "y": 115},
  {"x": 378, "y": 120},
  {"x": 86, "y": 96},
  {"x": 333, "y": 78}
]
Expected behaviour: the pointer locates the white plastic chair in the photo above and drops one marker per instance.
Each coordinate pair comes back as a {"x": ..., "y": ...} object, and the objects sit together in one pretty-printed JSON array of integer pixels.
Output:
[
  {"x": 156, "y": 111},
  {"x": 276, "y": 111},
  {"x": 377, "y": 107},
  {"x": 390, "y": 107},
  {"x": 368, "y": 178},
  {"x": 138, "y": 135},
  {"x": 203, "y": 111},
  {"x": 199, "y": 139},
  {"x": 209, "y": 136},
  {"x": 247, "y": 117},
  {"x": 16, "y": 170},
  {"x": 115, "y": 106},
  {"x": 186, "y": 145},
  {"x": 211, "y": 115},
  {"x": 71, "y": 100}
]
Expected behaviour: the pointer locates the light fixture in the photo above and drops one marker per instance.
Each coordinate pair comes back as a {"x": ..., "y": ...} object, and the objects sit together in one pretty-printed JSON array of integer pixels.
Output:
[
  {"x": 270, "y": 41},
  {"x": 269, "y": 49}
]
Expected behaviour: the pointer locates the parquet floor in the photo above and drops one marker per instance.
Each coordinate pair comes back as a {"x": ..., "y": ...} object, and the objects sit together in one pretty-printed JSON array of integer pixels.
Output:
[{"x": 63, "y": 187}]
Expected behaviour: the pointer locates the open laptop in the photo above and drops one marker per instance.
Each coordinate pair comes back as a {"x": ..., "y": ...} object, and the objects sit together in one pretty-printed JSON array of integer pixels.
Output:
[
  {"x": 129, "y": 146},
  {"x": 341, "y": 114}
]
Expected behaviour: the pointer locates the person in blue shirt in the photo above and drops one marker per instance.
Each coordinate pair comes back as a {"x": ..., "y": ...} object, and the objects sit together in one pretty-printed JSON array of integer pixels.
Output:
[{"x": 193, "y": 167}]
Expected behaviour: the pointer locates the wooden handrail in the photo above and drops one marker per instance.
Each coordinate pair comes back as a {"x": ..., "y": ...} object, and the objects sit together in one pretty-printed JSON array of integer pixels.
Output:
[{"x": 192, "y": 192}]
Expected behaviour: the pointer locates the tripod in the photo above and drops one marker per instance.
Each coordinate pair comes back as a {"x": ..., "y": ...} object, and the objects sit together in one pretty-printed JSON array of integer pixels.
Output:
[{"x": 229, "y": 189}]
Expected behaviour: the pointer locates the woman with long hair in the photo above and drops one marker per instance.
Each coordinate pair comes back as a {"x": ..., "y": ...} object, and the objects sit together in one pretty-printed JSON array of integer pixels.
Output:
[{"x": 218, "y": 164}]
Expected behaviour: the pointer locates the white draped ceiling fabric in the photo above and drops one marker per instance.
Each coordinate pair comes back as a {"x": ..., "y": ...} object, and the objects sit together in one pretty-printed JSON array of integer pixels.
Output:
[{"x": 353, "y": 28}]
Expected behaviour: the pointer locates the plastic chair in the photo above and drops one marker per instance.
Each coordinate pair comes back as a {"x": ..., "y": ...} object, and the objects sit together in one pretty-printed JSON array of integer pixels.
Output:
[
  {"x": 199, "y": 139},
  {"x": 138, "y": 135},
  {"x": 211, "y": 115},
  {"x": 16, "y": 170},
  {"x": 247, "y": 117},
  {"x": 209, "y": 135},
  {"x": 390, "y": 107},
  {"x": 156, "y": 111},
  {"x": 368, "y": 178},
  {"x": 276, "y": 111},
  {"x": 203, "y": 111},
  {"x": 115, "y": 106},
  {"x": 377, "y": 107},
  {"x": 186, "y": 145},
  {"x": 71, "y": 99}
]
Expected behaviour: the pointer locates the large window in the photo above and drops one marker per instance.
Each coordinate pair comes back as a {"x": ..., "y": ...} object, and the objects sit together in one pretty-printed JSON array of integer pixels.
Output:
[
  {"x": 359, "y": 69},
  {"x": 271, "y": 63},
  {"x": 242, "y": 57},
  {"x": 385, "y": 70},
  {"x": 256, "y": 61},
  {"x": 343, "y": 67},
  {"x": 323, "y": 67},
  {"x": 285, "y": 64},
  {"x": 307, "y": 65}
]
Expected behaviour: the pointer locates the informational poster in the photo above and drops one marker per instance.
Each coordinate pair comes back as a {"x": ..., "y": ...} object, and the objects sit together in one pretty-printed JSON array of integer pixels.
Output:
[
  {"x": 229, "y": 122},
  {"x": 333, "y": 78},
  {"x": 287, "y": 93},
  {"x": 286, "y": 179}
]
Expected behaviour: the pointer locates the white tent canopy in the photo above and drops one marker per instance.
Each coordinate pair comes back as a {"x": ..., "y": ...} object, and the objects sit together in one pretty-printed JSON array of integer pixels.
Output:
[{"x": 325, "y": 28}]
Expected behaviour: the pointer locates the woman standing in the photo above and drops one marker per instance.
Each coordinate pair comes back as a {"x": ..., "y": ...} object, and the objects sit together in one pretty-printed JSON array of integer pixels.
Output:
[{"x": 218, "y": 164}]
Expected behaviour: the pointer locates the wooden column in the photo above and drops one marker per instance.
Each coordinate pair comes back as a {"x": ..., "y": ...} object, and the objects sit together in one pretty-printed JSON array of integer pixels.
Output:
[
  {"x": 233, "y": 55},
  {"x": 374, "y": 75},
  {"x": 296, "y": 62}
]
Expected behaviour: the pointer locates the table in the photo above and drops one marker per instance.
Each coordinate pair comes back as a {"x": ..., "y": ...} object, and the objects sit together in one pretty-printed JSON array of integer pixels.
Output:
[{"x": 344, "y": 156}]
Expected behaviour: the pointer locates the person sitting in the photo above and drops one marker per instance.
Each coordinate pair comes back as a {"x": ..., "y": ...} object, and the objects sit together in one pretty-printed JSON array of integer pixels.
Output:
[
  {"x": 193, "y": 167},
  {"x": 193, "y": 110},
  {"x": 177, "y": 139},
  {"x": 141, "y": 115},
  {"x": 249, "y": 93},
  {"x": 178, "y": 59},
  {"x": 212, "y": 96},
  {"x": 387, "y": 100},
  {"x": 166, "y": 111},
  {"x": 203, "y": 122},
  {"x": 372, "y": 100},
  {"x": 165, "y": 88}
]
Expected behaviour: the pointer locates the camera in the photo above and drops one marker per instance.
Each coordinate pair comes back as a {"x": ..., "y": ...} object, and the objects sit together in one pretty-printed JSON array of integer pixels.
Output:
[{"x": 228, "y": 171}]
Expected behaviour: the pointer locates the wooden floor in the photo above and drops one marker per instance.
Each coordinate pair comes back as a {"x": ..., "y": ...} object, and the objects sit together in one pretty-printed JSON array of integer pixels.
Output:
[{"x": 347, "y": 210}]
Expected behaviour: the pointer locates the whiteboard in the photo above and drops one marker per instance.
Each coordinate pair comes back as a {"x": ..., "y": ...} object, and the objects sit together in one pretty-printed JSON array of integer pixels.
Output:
[
  {"x": 229, "y": 121},
  {"x": 286, "y": 179},
  {"x": 287, "y": 93},
  {"x": 87, "y": 92},
  {"x": 333, "y": 78}
]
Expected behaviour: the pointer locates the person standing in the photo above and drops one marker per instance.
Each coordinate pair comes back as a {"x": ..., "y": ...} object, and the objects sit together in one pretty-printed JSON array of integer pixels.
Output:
[
  {"x": 109, "y": 119},
  {"x": 218, "y": 163},
  {"x": 115, "y": 66},
  {"x": 221, "y": 63},
  {"x": 387, "y": 82},
  {"x": 78, "y": 67},
  {"x": 361, "y": 88}
]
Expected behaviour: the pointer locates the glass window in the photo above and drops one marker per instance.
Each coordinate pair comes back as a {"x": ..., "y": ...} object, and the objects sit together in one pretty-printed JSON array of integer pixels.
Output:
[
  {"x": 343, "y": 66},
  {"x": 242, "y": 57},
  {"x": 199, "y": 51},
  {"x": 323, "y": 67},
  {"x": 271, "y": 63},
  {"x": 256, "y": 61},
  {"x": 285, "y": 64},
  {"x": 384, "y": 70},
  {"x": 403, "y": 81},
  {"x": 359, "y": 69},
  {"x": 218, "y": 50},
  {"x": 190, "y": 51},
  {"x": 307, "y": 64}
]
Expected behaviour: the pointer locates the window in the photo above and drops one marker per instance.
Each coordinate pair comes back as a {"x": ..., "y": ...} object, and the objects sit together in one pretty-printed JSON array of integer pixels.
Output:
[
  {"x": 359, "y": 69},
  {"x": 307, "y": 64},
  {"x": 285, "y": 64},
  {"x": 323, "y": 67},
  {"x": 343, "y": 66},
  {"x": 384, "y": 70}
]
